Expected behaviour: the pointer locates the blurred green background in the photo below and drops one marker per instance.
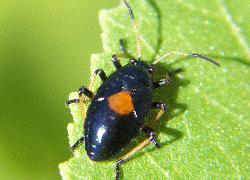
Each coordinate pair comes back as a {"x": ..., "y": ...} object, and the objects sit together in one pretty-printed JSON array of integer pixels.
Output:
[{"x": 45, "y": 48}]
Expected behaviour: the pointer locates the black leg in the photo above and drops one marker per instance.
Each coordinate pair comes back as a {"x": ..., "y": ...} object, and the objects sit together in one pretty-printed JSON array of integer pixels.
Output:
[
  {"x": 79, "y": 141},
  {"x": 101, "y": 74},
  {"x": 116, "y": 62},
  {"x": 147, "y": 141},
  {"x": 86, "y": 92},
  {"x": 159, "y": 105},
  {"x": 72, "y": 101},
  {"x": 133, "y": 61},
  {"x": 117, "y": 169},
  {"x": 167, "y": 80},
  {"x": 162, "y": 82},
  {"x": 82, "y": 90},
  {"x": 150, "y": 139},
  {"x": 122, "y": 46},
  {"x": 150, "y": 133}
]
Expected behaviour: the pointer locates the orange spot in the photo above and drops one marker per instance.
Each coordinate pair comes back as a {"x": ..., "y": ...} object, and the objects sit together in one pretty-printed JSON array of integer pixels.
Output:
[{"x": 121, "y": 103}]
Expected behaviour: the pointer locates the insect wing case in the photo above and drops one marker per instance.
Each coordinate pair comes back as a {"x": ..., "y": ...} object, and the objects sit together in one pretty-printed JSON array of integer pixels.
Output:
[{"x": 106, "y": 131}]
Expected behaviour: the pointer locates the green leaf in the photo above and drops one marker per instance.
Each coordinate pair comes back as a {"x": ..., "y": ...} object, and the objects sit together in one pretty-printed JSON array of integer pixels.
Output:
[{"x": 205, "y": 132}]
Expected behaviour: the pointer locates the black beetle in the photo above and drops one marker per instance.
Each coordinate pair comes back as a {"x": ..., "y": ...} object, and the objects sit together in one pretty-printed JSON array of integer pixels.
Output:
[{"x": 117, "y": 111}]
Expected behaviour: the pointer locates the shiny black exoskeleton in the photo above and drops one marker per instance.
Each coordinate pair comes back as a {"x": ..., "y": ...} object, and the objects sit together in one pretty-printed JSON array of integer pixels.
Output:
[
  {"x": 106, "y": 131},
  {"x": 117, "y": 111}
]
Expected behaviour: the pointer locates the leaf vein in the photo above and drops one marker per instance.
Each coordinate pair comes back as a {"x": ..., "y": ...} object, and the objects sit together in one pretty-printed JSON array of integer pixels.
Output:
[
  {"x": 187, "y": 124},
  {"x": 159, "y": 167},
  {"x": 226, "y": 110},
  {"x": 234, "y": 27},
  {"x": 147, "y": 44},
  {"x": 235, "y": 166},
  {"x": 115, "y": 22}
]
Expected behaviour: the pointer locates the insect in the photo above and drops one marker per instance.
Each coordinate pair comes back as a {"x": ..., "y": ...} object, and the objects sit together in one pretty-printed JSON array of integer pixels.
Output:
[{"x": 117, "y": 111}]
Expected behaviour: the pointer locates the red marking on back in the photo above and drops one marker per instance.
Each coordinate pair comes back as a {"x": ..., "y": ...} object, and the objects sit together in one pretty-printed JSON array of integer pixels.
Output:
[{"x": 121, "y": 103}]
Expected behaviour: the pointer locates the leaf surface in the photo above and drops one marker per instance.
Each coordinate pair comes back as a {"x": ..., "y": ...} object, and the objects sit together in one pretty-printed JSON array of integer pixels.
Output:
[{"x": 205, "y": 132}]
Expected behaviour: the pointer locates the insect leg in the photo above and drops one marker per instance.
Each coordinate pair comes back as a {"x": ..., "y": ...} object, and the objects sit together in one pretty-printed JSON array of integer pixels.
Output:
[
  {"x": 158, "y": 105},
  {"x": 116, "y": 62},
  {"x": 85, "y": 91},
  {"x": 72, "y": 101},
  {"x": 79, "y": 141},
  {"x": 143, "y": 144},
  {"x": 101, "y": 74},
  {"x": 167, "y": 80},
  {"x": 162, "y": 82},
  {"x": 89, "y": 94},
  {"x": 122, "y": 47},
  {"x": 150, "y": 133},
  {"x": 82, "y": 90},
  {"x": 186, "y": 55},
  {"x": 123, "y": 54}
]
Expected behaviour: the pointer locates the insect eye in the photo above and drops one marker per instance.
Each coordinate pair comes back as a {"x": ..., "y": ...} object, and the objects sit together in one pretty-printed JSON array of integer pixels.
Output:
[
  {"x": 133, "y": 61},
  {"x": 151, "y": 69}
]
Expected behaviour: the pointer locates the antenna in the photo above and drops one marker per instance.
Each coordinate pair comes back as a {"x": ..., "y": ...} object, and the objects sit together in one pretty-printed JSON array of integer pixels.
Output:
[
  {"x": 186, "y": 55},
  {"x": 135, "y": 27}
]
